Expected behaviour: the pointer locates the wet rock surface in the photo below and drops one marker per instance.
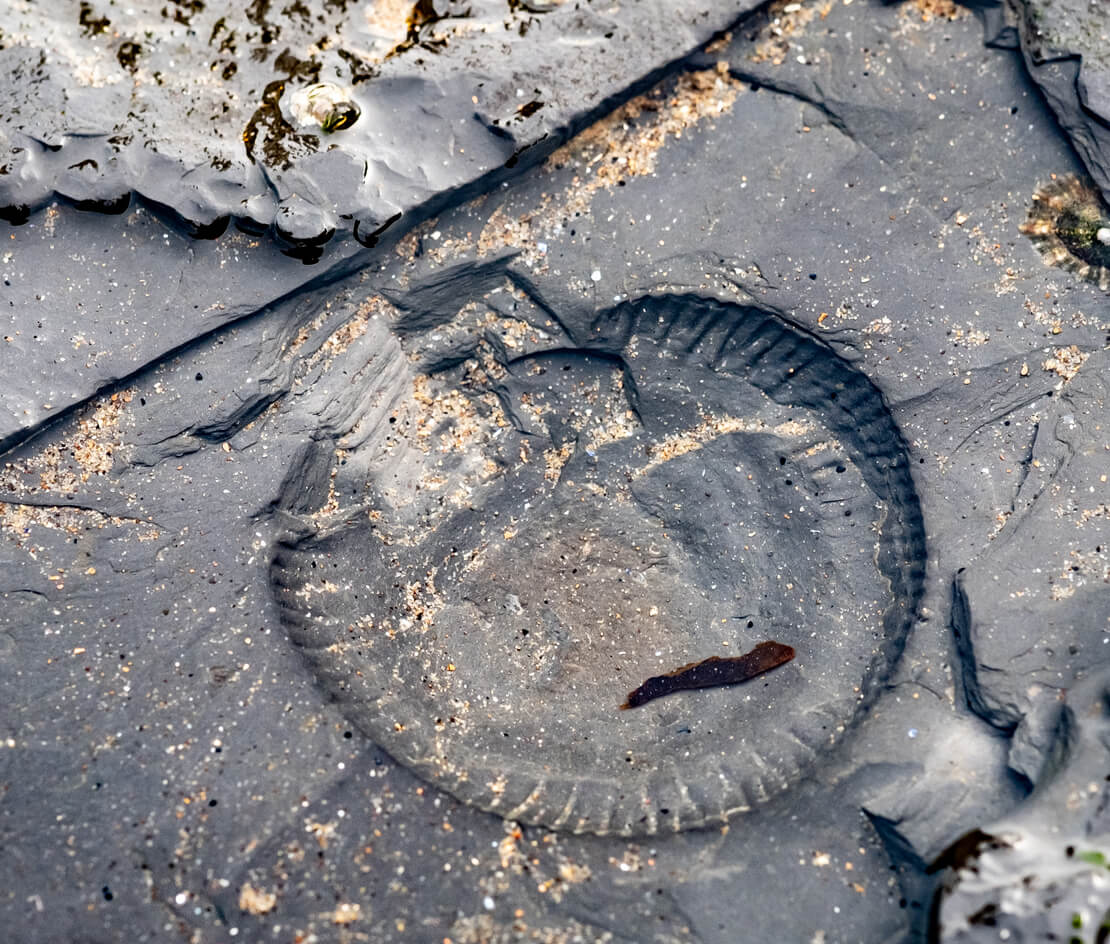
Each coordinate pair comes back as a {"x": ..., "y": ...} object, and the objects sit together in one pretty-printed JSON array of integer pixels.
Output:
[
  {"x": 621, "y": 360},
  {"x": 1065, "y": 47},
  {"x": 1042, "y": 873},
  {"x": 204, "y": 111}
]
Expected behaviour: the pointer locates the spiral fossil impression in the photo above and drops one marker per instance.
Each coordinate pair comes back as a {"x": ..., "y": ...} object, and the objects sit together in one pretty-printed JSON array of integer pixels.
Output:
[{"x": 687, "y": 479}]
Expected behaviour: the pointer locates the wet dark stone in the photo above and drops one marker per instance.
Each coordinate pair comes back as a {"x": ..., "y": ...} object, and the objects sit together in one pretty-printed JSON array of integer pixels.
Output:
[
  {"x": 479, "y": 352},
  {"x": 1023, "y": 881},
  {"x": 214, "y": 136},
  {"x": 302, "y": 224},
  {"x": 1064, "y": 43}
]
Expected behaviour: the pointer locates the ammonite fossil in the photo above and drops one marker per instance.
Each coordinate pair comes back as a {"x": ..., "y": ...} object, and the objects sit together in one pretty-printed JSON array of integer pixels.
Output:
[{"x": 675, "y": 479}]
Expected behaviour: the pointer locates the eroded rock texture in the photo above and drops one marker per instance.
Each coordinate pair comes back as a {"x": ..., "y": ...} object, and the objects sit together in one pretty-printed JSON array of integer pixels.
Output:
[
  {"x": 1065, "y": 48},
  {"x": 1023, "y": 878},
  {"x": 322, "y": 584},
  {"x": 203, "y": 111}
]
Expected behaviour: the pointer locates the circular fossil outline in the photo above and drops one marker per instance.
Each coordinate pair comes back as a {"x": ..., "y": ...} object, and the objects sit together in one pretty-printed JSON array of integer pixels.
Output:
[{"x": 789, "y": 366}]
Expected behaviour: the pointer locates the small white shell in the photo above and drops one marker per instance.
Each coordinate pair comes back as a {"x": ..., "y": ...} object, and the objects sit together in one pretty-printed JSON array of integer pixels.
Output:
[{"x": 315, "y": 105}]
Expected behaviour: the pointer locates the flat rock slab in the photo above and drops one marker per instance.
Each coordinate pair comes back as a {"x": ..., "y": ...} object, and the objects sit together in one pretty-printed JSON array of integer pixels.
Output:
[
  {"x": 292, "y": 589},
  {"x": 70, "y": 331},
  {"x": 196, "y": 110},
  {"x": 1067, "y": 49},
  {"x": 1018, "y": 877}
]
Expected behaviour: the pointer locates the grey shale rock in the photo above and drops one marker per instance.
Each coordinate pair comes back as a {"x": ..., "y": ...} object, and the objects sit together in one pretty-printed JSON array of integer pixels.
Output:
[
  {"x": 1042, "y": 873},
  {"x": 189, "y": 423},
  {"x": 194, "y": 108},
  {"x": 1066, "y": 44},
  {"x": 1033, "y": 612}
]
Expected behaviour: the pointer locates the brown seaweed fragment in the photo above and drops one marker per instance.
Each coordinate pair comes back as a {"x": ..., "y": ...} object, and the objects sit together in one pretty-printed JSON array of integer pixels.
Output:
[
  {"x": 711, "y": 672},
  {"x": 1070, "y": 225}
]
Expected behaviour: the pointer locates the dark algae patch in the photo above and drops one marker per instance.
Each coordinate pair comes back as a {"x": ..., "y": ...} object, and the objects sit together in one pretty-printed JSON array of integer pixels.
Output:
[
  {"x": 554, "y": 510},
  {"x": 128, "y": 55},
  {"x": 281, "y": 142},
  {"x": 420, "y": 19},
  {"x": 268, "y": 118},
  {"x": 91, "y": 24},
  {"x": 712, "y": 672}
]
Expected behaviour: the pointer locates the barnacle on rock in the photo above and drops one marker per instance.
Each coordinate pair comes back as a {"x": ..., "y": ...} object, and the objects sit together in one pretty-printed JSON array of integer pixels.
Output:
[
  {"x": 1070, "y": 225},
  {"x": 324, "y": 105}
]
